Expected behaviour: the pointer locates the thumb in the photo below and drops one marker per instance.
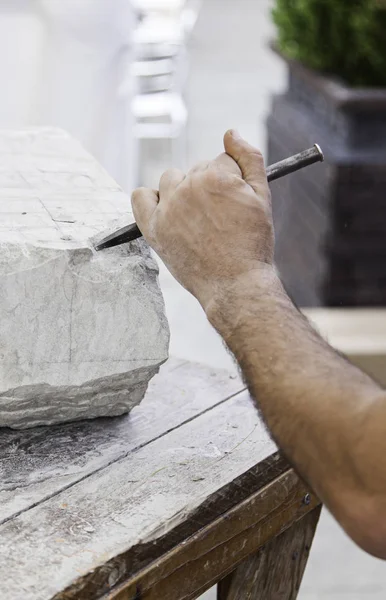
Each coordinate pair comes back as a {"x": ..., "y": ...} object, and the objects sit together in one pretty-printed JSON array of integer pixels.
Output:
[
  {"x": 144, "y": 202},
  {"x": 249, "y": 159}
]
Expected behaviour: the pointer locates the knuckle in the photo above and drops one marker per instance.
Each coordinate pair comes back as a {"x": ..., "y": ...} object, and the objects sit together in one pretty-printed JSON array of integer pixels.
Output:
[
  {"x": 166, "y": 176},
  {"x": 203, "y": 165},
  {"x": 214, "y": 178},
  {"x": 200, "y": 167},
  {"x": 137, "y": 194},
  {"x": 255, "y": 154},
  {"x": 169, "y": 173}
]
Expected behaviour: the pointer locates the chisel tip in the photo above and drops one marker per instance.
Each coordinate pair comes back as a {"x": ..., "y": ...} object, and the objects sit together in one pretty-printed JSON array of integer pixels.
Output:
[{"x": 320, "y": 152}]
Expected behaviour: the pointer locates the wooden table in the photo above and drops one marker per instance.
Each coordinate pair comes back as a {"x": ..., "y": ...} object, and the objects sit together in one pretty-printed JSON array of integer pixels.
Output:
[{"x": 187, "y": 491}]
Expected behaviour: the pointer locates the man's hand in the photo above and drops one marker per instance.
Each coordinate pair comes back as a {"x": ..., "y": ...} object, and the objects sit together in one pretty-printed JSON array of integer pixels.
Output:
[
  {"x": 213, "y": 229},
  {"x": 213, "y": 225}
]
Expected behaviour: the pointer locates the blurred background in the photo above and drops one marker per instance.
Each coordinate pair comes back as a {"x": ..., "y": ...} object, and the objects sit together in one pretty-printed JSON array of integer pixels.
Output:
[{"x": 150, "y": 84}]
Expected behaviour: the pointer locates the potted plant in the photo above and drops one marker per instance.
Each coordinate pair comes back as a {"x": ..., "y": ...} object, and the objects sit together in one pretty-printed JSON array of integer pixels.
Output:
[{"x": 331, "y": 221}]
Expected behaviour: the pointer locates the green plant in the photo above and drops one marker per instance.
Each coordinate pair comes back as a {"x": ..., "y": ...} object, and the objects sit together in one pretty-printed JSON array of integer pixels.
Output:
[{"x": 346, "y": 38}]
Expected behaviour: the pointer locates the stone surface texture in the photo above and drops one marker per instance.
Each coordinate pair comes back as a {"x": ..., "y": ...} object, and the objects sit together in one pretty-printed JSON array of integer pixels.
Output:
[{"x": 81, "y": 332}]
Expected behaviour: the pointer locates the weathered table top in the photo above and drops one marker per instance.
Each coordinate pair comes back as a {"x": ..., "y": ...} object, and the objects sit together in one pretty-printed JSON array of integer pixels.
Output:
[{"x": 83, "y": 506}]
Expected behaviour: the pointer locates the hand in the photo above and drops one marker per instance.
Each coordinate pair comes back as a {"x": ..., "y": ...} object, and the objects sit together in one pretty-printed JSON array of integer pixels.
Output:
[{"x": 212, "y": 226}]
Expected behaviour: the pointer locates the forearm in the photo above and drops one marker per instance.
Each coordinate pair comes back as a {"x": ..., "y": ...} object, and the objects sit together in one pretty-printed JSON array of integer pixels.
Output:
[
  {"x": 327, "y": 416},
  {"x": 324, "y": 413}
]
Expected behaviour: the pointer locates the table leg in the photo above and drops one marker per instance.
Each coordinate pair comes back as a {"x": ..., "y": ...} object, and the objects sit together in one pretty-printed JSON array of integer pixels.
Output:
[{"x": 276, "y": 571}]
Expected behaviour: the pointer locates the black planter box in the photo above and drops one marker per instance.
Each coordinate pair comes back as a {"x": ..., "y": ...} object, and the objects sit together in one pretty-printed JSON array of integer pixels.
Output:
[{"x": 330, "y": 218}]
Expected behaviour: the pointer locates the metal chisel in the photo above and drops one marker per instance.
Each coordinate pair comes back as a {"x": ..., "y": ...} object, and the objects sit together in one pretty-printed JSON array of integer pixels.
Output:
[{"x": 280, "y": 169}]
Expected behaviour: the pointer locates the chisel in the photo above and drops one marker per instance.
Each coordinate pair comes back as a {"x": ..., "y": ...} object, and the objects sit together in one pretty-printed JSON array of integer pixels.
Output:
[{"x": 280, "y": 169}]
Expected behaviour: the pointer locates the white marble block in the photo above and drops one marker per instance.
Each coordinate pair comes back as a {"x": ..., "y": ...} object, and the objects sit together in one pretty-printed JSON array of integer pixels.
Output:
[{"x": 81, "y": 332}]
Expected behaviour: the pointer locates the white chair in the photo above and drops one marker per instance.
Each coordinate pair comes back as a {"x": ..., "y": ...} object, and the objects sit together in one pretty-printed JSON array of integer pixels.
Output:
[
  {"x": 160, "y": 7},
  {"x": 165, "y": 34},
  {"x": 185, "y": 10},
  {"x": 161, "y": 69},
  {"x": 154, "y": 75},
  {"x": 163, "y": 116}
]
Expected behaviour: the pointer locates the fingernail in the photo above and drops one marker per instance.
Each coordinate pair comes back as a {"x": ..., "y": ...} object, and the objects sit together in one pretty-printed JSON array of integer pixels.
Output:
[{"x": 235, "y": 134}]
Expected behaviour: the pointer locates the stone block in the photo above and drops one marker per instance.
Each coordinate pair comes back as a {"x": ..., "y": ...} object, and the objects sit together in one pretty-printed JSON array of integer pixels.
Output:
[{"x": 81, "y": 332}]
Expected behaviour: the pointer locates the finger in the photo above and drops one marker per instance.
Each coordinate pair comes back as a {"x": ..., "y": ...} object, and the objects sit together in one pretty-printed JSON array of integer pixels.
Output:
[
  {"x": 169, "y": 182},
  {"x": 249, "y": 160},
  {"x": 144, "y": 202},
  {"x": 226, "y": 162}
]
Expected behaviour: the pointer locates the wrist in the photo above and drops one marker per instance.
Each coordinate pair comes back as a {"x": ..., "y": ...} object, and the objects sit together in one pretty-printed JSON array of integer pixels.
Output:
[{"x": 234, "y": 300}]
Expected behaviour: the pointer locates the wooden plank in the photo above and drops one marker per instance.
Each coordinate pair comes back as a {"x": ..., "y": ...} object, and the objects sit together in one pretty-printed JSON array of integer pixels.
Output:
[
  {"x": 203, "y": 559},
  {"x": 276, "y": 571},
  {"x": 38, "y": 463},
  {"x": 101, "y": 530}
]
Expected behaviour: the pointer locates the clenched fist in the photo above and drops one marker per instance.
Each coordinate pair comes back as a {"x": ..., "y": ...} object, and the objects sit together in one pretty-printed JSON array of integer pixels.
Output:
[{"x": 212, "y": 226}]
